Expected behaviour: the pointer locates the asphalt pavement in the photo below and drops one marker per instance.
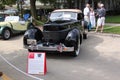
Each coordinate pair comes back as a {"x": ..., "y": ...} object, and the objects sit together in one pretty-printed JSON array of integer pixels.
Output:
[{"x": 99, "y": 59}]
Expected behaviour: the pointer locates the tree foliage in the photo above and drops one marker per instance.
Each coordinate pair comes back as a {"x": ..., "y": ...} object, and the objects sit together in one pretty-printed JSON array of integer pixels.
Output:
[
  {"x": 33, "y": 6},
  {"x": 7, "y": 2},
  {"x": 48, "y": 1}
]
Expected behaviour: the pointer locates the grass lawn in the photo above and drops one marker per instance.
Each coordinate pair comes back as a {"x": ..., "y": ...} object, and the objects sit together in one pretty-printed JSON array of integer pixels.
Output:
[
  {"x": 105, "y": 27},
  {"x": 114, "y": 30},
  {"x": 109, "y": 29},
  {"x": 113, "y": 19}
]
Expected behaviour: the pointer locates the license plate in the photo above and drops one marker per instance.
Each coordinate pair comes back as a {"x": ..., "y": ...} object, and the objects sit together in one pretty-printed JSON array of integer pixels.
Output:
[
  {"x": 60, "y": 48},
  {"x": 31, "y": 41}
]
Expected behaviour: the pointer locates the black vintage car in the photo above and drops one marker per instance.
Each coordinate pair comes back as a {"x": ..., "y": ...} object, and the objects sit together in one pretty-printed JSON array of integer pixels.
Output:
[{"x": 63, "y": 32}]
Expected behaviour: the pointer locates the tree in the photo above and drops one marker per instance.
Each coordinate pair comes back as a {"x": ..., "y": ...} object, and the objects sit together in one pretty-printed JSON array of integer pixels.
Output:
[{"x": 33, "y": 9}]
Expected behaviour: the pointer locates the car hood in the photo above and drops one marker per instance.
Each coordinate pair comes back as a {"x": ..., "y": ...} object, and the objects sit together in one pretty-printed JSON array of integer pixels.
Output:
[{"x": 2, "y": 24}]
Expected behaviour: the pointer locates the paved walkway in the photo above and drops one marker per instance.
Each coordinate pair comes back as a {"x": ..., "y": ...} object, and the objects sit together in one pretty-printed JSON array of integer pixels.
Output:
[
  {"x": 105, "y": 34},
  {"x": 112, "y": 25}
]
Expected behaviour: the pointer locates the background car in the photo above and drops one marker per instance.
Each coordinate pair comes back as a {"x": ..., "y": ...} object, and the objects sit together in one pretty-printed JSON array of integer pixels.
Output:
[
  {"x": 12, "y": 25},
  {"x": 2, "y": 16},
  {"x": 63, "y": 32}
]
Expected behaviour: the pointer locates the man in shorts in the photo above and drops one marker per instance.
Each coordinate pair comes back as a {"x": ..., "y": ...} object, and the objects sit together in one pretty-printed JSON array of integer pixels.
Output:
[
  {"x": 86, "y": 15},
  {"x": 101, "y": 18}
]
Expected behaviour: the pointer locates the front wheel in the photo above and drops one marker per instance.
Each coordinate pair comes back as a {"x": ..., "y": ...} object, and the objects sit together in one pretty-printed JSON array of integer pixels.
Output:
[
  {"x": 6, "y": 34},
  {"x": 76, "y": 48}
]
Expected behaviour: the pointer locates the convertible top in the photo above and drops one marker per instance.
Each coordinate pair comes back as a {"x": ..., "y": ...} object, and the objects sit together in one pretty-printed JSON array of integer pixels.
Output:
[{"x": 71, "y": 10}]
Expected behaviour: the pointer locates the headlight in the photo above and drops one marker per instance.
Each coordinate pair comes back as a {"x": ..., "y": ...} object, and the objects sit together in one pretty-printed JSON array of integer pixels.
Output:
[
  {"x": 31, "y": 41},
  {"x": 69, "y": 34}
]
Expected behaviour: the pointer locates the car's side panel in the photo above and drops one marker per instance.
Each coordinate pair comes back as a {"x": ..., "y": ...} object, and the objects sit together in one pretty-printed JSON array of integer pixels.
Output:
[
  {"x": 4, "y": 25},
  {"x": 19, "y": 26}
]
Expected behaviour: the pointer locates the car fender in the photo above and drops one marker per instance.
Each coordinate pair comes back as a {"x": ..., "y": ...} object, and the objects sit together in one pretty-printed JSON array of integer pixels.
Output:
[
  {"x": 2, "y": 28},
  {"x": 32, "y": 33},
  {"x": 72, "y": 37}
]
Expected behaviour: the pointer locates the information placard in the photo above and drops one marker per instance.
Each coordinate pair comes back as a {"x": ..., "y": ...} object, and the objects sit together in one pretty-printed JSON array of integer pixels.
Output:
[{"x": 37, "y": 63}]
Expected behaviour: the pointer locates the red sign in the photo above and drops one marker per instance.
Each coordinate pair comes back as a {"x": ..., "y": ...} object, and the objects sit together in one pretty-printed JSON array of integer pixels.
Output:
[
  {"x": 37, "y": 63},
  {"x": 31, "y": 55}
]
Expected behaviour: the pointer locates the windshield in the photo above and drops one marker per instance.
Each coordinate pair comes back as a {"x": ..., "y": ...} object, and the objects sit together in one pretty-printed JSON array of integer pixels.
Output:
[
  {"x": 11, "y": 18},
  {"x": 63, "y": 16}
]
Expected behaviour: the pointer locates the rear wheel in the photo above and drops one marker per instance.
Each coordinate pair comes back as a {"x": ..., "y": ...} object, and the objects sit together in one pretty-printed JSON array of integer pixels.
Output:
[{"x": 6, "y": 34}]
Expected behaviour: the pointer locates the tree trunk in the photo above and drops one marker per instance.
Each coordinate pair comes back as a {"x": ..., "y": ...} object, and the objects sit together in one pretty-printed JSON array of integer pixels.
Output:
[{"x": 33, "y": 9}]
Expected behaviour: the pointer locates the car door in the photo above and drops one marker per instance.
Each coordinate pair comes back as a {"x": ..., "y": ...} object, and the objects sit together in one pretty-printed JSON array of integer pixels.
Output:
[{"x": 19, "y": 25}]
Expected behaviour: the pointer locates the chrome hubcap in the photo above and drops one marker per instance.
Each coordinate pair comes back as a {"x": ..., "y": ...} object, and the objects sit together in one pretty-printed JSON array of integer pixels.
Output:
[
  {"x": 78, "y": 49},
  {"x": 7, "y": 34}
]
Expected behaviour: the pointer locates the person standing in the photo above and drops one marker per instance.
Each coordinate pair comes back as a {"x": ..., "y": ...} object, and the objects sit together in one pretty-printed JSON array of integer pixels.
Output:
[
  {"x": 92, "y": 18},
  {"x": 86, "y": 15},
  {"x": 26, "y": 16},
  {"x": 101, "y": 18}
]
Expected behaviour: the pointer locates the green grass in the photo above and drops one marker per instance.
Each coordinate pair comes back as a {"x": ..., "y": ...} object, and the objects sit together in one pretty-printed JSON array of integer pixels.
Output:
[
  {"x": 105, "y": 27},
  {"x": 113, "y": 19},
  {"x": 109, "y": 29},
  {"x": 114, "y": 30}
]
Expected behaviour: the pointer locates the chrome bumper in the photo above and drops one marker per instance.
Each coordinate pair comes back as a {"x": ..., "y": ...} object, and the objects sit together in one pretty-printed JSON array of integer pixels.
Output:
[{"x": 61, "y": 48}]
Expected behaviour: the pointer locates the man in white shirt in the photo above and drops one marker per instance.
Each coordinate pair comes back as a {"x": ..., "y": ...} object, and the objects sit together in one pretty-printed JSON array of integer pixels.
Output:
[{"x": 86, "y": 14}]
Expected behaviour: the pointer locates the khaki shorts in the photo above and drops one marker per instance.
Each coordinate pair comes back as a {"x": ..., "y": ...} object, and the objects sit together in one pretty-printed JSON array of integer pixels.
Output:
[{"x": 101, "y": 21}]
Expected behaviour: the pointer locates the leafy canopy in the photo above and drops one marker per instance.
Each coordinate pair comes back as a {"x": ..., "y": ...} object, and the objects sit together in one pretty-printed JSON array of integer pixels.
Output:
[
  {"x": 7, "y": 2},
  {"x": 48, "y": 1}
]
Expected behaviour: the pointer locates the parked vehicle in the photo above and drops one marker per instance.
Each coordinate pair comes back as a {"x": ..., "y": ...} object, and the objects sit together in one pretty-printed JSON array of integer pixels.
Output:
[
  {"x": 64, "y": 32},
  {"x": 2, "y": 16},
  {"x": 12, "y": 25}
]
